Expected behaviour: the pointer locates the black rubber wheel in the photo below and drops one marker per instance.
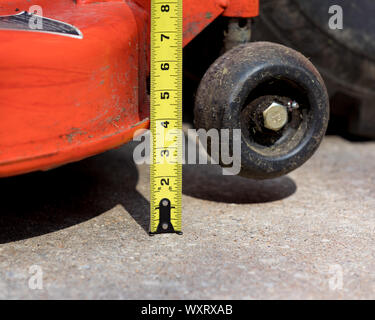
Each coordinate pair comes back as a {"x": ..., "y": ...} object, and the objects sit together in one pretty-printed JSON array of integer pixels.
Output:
[
  {"x": 345, "y": 58},
  {"x": 242, "y": 83}
]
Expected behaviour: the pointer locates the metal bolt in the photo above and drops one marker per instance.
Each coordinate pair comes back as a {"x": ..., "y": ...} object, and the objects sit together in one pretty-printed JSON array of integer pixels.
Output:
[
  {"x": 292, "y": 105},
  {"x": 165, "y": 203},
  {"x": 275, "y": 116},
  {"x": 164, "y": 226}
]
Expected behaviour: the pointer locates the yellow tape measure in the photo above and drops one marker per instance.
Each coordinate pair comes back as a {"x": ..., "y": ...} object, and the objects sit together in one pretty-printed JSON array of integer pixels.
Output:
[{"x": 166, "y": 116}]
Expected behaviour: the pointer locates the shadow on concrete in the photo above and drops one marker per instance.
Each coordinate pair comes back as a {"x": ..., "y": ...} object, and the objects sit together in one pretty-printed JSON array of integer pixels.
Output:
[
  {"x": 208, "y": 183},
  {"x": 44, "y": 202}
]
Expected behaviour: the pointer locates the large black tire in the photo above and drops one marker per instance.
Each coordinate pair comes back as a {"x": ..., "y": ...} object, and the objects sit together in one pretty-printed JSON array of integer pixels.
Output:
[
  {"x": 242, "y": 83},
  {"x": 345, "y": 58}
]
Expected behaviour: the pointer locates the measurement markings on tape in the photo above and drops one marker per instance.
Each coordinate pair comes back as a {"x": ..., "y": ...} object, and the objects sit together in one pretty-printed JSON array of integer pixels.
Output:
[{"x": 166, "y": 116}]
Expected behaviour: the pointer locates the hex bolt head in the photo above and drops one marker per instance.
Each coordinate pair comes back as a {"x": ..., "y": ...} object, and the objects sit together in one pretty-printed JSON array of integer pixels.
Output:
[{"x": 275, "y": 116}]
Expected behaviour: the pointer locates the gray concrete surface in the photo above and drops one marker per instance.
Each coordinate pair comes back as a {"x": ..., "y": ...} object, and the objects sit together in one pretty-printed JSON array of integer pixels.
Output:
[{"x": 293, "y": 237}]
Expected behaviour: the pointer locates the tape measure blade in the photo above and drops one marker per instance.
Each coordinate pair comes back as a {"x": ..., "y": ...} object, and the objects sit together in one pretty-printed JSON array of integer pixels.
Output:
[{"x": 166, "y": 116}]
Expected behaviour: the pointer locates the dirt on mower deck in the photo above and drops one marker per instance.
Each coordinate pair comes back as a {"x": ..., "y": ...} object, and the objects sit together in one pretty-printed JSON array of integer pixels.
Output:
[{"x": 307, "y": 235}]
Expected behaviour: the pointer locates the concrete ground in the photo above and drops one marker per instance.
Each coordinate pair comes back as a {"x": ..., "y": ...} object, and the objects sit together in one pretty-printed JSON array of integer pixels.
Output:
[{"x": 309, "y": 235}]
